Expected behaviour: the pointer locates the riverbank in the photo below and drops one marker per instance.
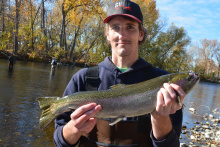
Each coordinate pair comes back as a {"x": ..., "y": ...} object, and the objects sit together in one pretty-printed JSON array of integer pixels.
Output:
[
  {"x": 206, "y": 133},
  {"x": 79, "y": 63},
  {"x": 46, "y": 59},
  {"x": 217, "y": 81}
]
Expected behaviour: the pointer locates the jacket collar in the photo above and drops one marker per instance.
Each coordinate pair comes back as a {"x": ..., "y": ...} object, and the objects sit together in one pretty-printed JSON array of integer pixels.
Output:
[{"x": 138, "y": 65}]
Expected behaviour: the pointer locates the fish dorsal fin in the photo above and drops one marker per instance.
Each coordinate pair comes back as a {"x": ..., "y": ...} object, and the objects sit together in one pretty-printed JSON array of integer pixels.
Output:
[{"x": 117, "y": 86}]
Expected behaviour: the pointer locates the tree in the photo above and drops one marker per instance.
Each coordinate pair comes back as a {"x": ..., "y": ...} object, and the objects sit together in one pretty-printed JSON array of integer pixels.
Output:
[
  {"x": 43, "y": 23},
  {"x": 207, "y": 53},
  {"x": 70, "y": 28},
  {"x": 17, "y": 14},
  {"x": 68, "y": 6},
  {"x": 161, "y": 48},
  {"x": 2, "y": 12},
  {"x": 3, "y": 17},
  {"x": 88, "y": 46},
  {"x": 217, "y": 55},
  {"x": 151, "y": 22},
  {"x": 167, "y": 48}
]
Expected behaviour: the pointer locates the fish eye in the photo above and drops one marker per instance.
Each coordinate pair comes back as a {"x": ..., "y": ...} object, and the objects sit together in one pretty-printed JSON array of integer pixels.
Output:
[{"x": 190, "y": 77}]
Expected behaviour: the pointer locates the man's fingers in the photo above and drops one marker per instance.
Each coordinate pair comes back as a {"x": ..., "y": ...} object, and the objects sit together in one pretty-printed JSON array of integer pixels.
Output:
[
  {"x": 89, "y": 125},
  {"x": 179, "y": 92},
  {"x": 84, "y": 113},
  {"x": 167, "y": 99},
  {"x": 170, "y": 90},
  {"x": 81, "y": 110},
  {"x": 160, "y": 102},
  {"x": 89, "y": 114}
]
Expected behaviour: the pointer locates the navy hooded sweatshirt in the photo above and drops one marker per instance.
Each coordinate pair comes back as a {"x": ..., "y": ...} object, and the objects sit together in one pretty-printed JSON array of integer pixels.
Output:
[{"x": 110, "y": 75}]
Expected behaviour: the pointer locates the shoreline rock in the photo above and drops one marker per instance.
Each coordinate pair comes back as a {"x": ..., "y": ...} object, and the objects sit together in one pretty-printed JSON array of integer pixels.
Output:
[{"x": 204, "y": 134}]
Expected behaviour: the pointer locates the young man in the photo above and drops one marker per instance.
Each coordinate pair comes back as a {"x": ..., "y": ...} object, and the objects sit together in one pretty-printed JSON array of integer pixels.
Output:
[{"x": 124, "y": 31}]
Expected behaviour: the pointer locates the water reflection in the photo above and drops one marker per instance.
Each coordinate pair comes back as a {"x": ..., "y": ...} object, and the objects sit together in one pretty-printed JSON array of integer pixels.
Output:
[
  {"x": 52, "y": 72},
  {"x": 10, "y": 73},
  {"x": 19, "y": 109},
  {"x": 20, "y": 112},
  {"x": 205, "y": 98}
]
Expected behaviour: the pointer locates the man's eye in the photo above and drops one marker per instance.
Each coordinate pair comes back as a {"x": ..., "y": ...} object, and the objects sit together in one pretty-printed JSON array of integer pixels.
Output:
[
  {"x": 115, "y": 28},
  {"x": 130, "y": 27}
]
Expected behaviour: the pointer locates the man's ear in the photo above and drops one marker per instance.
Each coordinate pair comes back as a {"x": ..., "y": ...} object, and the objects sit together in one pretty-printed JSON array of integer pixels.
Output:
[
  {"x": 141, "y": 36},
  {"x": 107, "y": 36}
]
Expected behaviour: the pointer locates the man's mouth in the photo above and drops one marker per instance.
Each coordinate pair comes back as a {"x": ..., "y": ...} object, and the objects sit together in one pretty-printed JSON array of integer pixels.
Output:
[{"x": 127, "y": 42}]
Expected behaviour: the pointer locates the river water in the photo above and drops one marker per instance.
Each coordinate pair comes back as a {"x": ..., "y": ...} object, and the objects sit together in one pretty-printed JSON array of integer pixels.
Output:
[{"x": 20, "y": 112}]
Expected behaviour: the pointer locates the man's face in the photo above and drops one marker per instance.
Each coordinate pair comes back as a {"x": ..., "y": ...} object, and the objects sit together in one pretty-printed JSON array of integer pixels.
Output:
[{"x": 124, "y": 35}]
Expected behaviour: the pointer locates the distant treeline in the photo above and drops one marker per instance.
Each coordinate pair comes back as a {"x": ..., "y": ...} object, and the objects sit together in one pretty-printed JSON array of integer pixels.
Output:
[{"x": 73, "y": 30}]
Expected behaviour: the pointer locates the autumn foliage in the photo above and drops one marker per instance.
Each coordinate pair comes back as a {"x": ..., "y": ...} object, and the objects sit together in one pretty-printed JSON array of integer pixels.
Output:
[{"x": 73, "y": 30}]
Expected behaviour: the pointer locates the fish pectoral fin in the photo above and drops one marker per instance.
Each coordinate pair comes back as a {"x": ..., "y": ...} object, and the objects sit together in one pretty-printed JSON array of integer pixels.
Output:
[
  {"x": 179, "y": 101},
  {"x": 116, "y": 120}
]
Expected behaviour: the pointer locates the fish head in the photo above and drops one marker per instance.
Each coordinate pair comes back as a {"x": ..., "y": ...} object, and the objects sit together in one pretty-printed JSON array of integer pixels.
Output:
[{"x": 187, "y": 81}]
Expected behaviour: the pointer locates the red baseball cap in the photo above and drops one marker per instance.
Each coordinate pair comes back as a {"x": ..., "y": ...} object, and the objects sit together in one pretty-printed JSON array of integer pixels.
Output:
[{"x": 124, "y": 8}]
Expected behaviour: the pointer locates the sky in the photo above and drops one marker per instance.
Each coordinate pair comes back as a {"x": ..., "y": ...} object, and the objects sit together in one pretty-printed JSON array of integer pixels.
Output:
[{"x": 200, "y": 18}]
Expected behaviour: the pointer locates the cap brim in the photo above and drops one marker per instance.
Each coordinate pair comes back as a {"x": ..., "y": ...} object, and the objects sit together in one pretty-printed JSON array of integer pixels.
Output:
[{"x": 131, "y": 16}]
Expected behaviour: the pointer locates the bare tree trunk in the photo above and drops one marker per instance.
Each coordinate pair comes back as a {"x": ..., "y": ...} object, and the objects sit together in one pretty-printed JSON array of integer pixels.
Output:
[
  {"x": 9, "y": 16},
  {"x": 218, "y": 69},
  {"x": 32, "y": 27},
  {"x": 63, "y": 32},
  {"x": 17, "y": 3},
  {"x": 51, "y": 44},
  {"x": 63, "y": 27},
  {"x": 63, "y": 43},
  {"x": 74, "y": 40},
  {"x": 3, "y": 17},
  {"x": 43, "y": 26}
]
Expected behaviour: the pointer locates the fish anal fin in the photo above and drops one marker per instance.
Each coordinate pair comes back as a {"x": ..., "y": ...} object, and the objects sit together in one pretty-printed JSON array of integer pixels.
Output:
[{"x": 116, "y": 120}]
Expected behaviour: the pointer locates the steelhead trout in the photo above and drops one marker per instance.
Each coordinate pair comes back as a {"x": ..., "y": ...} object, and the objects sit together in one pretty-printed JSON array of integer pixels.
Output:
[{"x": 118, "y": 102}]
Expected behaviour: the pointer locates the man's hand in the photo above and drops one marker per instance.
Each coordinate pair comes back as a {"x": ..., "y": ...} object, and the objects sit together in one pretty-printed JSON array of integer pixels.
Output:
[
  {"x": 82, "y": 121},
  {"x": 167, "y": 103}
]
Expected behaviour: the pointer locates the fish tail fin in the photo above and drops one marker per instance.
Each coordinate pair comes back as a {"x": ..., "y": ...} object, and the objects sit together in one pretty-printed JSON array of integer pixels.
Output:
[{"x": 47, "y": 115}]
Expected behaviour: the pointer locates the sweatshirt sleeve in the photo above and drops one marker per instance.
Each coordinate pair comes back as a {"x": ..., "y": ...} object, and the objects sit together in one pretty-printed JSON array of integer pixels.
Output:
[
  {"x": 76, "y": 84},
  {"x": 172, "y": 140}
]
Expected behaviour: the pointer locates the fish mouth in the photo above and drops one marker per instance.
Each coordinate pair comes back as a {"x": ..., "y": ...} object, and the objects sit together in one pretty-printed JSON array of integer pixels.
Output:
[
  {"x": 195, "y": 80},
  {"x": 196, "y": 77}
]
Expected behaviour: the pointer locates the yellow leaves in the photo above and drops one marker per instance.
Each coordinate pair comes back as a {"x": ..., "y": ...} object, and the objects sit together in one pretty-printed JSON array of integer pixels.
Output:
[
  {"x": 74, "y": 4},
  {"x": 150, "y": 13},
  {"x": 75, "y": 10}
]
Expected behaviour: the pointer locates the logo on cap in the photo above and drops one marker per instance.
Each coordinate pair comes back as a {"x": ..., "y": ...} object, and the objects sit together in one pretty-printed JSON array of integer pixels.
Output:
[{"x": 119, "y": 5}]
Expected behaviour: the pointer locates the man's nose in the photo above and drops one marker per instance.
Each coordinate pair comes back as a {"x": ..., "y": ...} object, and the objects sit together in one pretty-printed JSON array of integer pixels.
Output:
[{"x": 122, "y": 33}]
